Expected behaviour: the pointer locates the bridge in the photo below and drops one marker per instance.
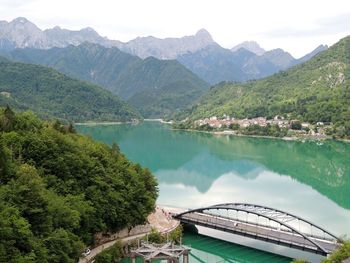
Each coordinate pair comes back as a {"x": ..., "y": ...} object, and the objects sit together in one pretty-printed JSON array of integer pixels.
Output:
[{"x": 263, "y": 223}]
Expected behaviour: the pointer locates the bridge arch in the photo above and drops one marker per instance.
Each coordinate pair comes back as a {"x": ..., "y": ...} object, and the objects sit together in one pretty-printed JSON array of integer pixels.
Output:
[{"x": 317, "y": 244}]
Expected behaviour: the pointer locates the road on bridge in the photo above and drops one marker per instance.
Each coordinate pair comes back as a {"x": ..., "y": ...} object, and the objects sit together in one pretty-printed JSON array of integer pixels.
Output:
[{"x": 266, "y": 233}]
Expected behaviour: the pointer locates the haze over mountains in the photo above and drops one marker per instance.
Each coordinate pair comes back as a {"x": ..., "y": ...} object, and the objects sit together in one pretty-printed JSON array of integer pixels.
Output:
[
  {"x": 199, "y": 53},
  {"x": 157, "y": 76},
  {"x": 215, "y": 63}
]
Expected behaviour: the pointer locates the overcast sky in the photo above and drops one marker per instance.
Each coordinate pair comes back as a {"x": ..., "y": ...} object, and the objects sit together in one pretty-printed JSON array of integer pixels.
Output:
[{"x": 297, "y": 26}]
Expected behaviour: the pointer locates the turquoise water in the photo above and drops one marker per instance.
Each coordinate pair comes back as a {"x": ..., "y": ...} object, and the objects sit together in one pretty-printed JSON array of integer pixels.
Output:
[
  {"x": 198, "y": 169},
  {"x": 207, "y": 249}
]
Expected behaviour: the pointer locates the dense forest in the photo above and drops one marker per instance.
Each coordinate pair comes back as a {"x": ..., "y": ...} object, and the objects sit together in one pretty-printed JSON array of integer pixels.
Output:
[
  {"x": 315, "y": 91},
  {"x": 154, "y": 87},
  {"x": 58, "y": 188},
  {"x": 53, "y": 94}
]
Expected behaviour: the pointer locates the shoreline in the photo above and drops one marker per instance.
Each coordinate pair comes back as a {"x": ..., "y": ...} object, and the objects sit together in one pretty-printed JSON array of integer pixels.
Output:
[
  {"x": 232, "y": 133},
  {"x": 94, "y": 123},
  {"x": 97, "y": 123},
  {"x": 219, "y": 133}
]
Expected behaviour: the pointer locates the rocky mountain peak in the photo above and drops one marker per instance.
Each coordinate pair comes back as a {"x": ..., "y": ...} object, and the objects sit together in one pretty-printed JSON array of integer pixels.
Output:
[
  {"x": 276, "y": 51},
  {"x": 204, "y": 35},
  {"x": 21, "y": 23},
  {"x": 252, "y": 46},
  {"x": 88, "y": 29},
  {"x": 56, "y": 28},
  {"x": 20, "y": 20}
]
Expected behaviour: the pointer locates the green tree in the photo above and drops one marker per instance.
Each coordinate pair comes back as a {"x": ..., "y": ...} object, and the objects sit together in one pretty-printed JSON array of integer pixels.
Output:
[
  {"x": 3, "y": 162},
  {"x": 61, "y": 188},
  {"x": 234, "y": 126},
  {"x": 15, "y": 242},
  {"x": 28, "y": 193},
  {"x": 155, "y": 237},
  {"x": 63, "y": 246},
  {"x": 7, "y": 120},
  {"x": 343, "y": 252},
  {"x": 295, "y": 125},
  {"x": 113, "y": 254}
]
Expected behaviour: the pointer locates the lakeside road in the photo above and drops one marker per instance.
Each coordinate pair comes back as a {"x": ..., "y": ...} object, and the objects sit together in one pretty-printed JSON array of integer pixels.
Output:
[{"x": 160, "y": 219}]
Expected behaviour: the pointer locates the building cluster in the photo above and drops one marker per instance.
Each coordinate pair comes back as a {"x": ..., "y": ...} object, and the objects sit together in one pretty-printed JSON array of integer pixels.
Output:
[{"x": 226, "y": 121}]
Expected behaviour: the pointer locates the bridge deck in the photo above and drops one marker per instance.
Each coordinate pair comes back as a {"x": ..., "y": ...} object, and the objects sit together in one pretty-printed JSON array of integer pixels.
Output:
[{"x": 265, "y": 233}]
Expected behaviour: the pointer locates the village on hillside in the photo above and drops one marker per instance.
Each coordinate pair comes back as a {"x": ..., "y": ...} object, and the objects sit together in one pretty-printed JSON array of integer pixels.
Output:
[{"x": 294, "y": 127}]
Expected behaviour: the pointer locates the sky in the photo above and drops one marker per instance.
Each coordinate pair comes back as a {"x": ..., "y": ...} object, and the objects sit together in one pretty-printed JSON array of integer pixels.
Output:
[{"x": 297, "y": 26}]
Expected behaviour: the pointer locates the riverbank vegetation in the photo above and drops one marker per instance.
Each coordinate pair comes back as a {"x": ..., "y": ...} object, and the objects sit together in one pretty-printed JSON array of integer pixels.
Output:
[{"x": 58, "y": 188}]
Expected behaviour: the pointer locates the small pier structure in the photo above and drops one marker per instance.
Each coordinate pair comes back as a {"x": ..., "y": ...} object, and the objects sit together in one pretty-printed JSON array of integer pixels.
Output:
[{"x": 168, "y": 251}]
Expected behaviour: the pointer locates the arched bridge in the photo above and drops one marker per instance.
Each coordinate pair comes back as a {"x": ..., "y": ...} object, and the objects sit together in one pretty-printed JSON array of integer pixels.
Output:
[{"x": 263, "y": 223}]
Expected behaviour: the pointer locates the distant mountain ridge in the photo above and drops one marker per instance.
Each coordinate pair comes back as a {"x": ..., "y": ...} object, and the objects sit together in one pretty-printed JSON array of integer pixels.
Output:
[
  {"x": 21, "y": 33},
  {"x": 199, "y": 53},
  {"x": 215, "y": 63},
  {"x": 155, "y": 87},
  {"x": 168, "y": 48}
]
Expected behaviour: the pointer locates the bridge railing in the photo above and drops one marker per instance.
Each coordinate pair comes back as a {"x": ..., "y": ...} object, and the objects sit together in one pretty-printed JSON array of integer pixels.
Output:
[{"x": 273, "y": 224}]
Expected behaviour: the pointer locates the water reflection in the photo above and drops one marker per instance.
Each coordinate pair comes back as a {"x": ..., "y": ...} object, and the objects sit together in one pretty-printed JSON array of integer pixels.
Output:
[
  {"x": 205, "y": 249},
  {"x": 195, "y": 169}
]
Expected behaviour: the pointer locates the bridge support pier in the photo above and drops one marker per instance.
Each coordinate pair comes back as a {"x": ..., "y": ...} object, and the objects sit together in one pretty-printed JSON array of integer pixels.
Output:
[{"x": 185, "y": 258}]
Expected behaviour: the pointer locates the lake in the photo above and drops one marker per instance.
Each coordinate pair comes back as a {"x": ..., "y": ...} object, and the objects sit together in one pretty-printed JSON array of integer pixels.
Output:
[{"x": 309, "y": 179}]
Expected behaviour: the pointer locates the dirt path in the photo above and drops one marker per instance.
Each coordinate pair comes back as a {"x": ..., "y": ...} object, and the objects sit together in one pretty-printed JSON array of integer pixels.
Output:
[{"x": 160, "y": 219}]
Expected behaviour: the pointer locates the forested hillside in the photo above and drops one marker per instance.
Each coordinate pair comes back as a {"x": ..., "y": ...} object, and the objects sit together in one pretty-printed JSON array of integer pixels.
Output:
[
  {"x": 50, "y": 93},
  {"x": 59, "y": 188},
  {"x": 316, "y": 91},
  {"x": 124, "y": 75}
]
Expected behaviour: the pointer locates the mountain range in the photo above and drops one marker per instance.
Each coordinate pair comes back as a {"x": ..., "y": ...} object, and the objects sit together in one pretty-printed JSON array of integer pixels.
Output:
[
  {"x": 199, "y": 53},
  {"x": 156, "y": 76},
  {"x": 155, "y": 87},
  {"x": 215, "y": 63},
  {"x": 21, "y": 33},
  {"x": 317, "y": 90}
]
